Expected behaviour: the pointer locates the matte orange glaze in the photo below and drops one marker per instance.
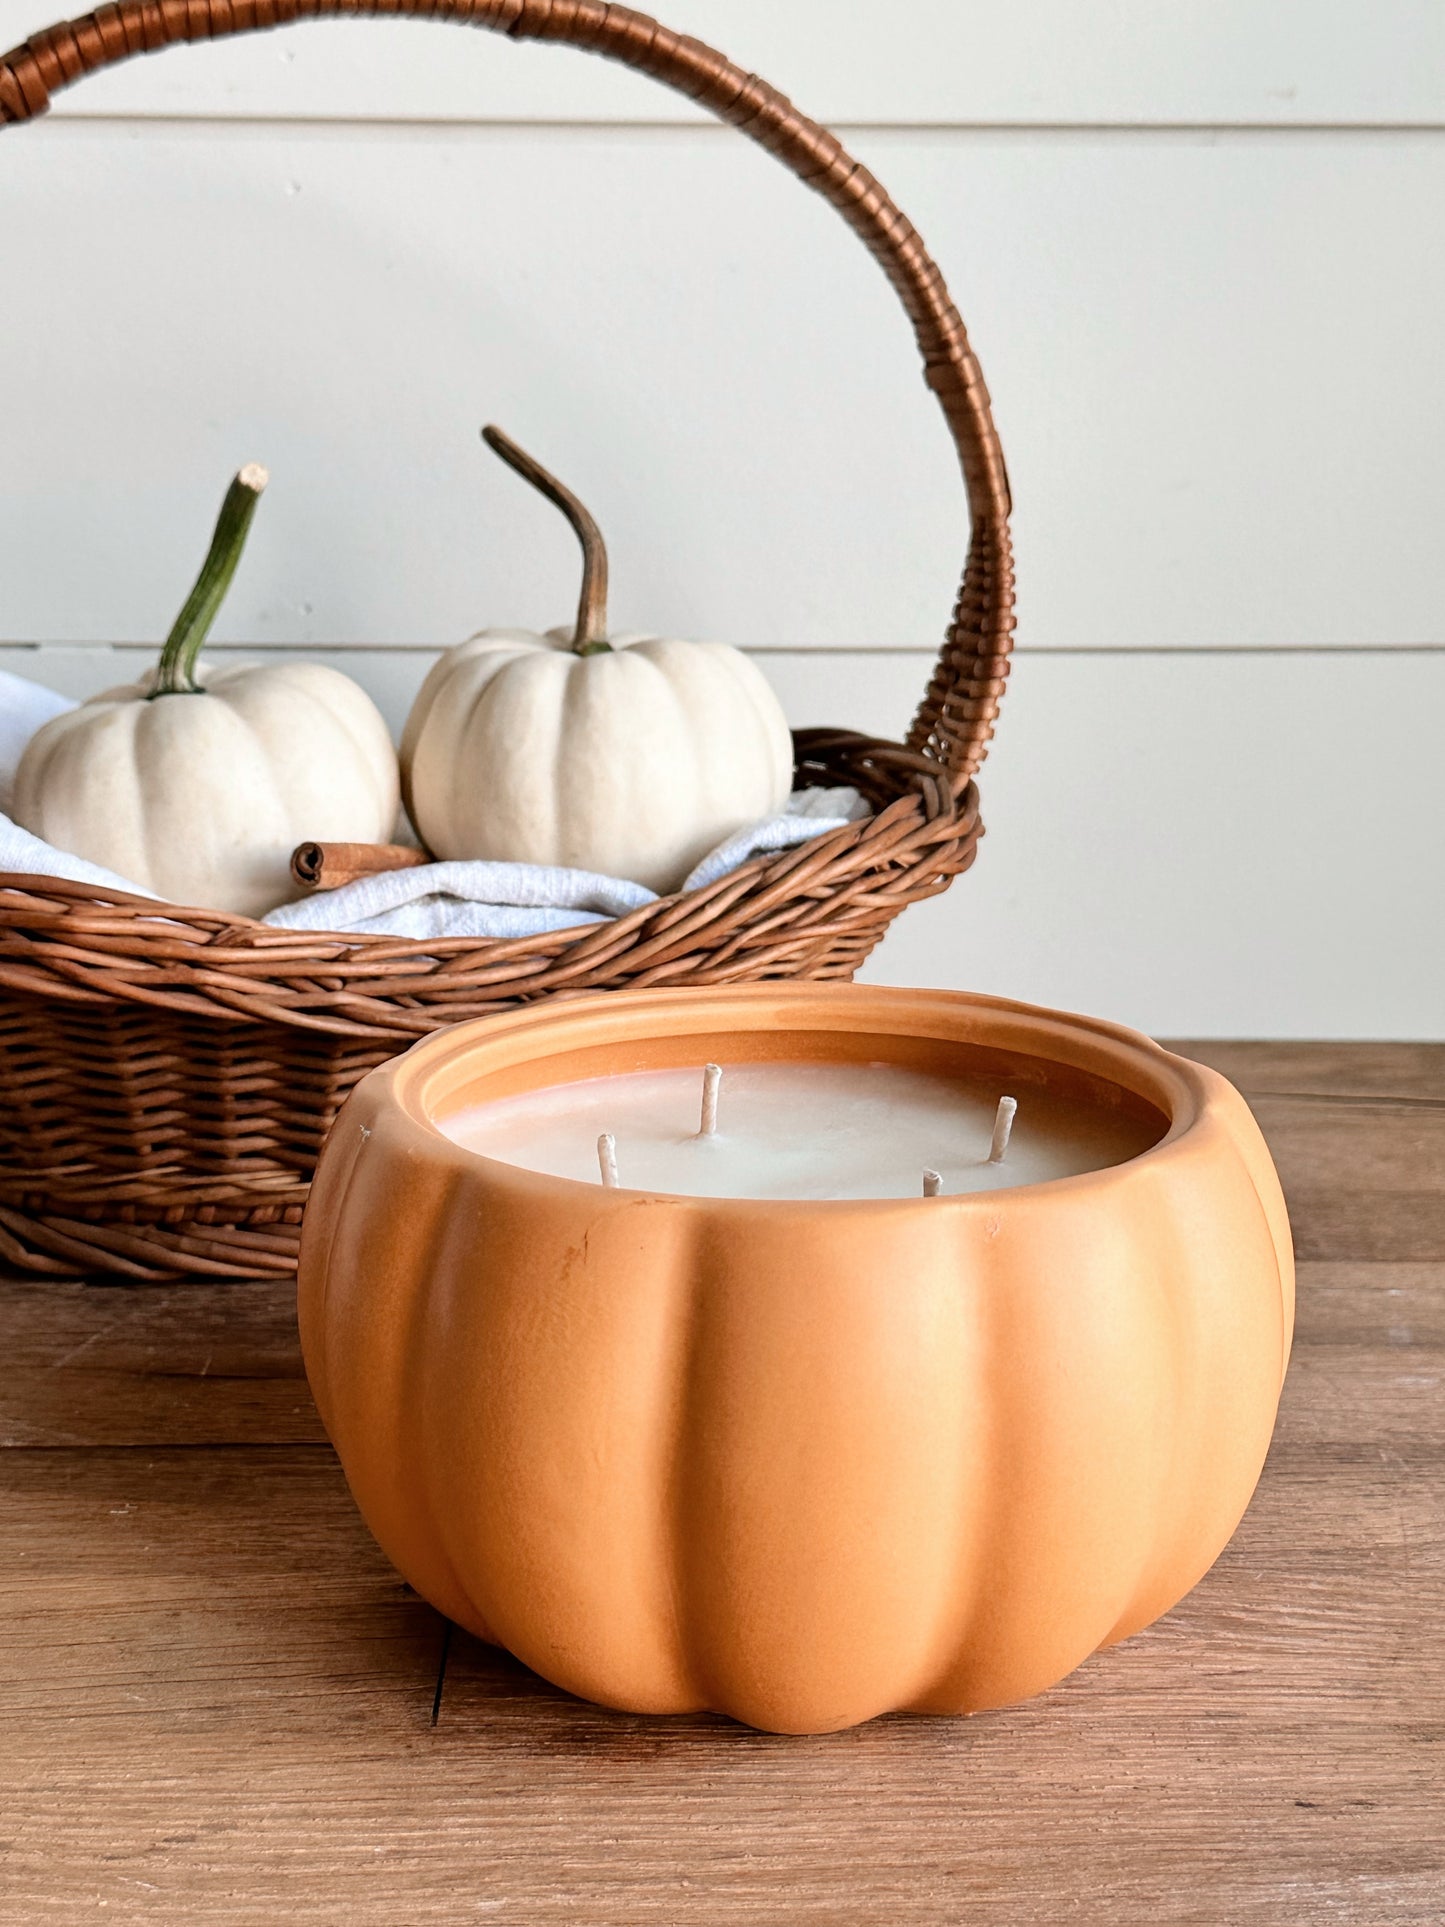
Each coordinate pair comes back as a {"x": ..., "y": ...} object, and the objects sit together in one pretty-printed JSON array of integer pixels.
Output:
[{"x": 800, "y": 1463}]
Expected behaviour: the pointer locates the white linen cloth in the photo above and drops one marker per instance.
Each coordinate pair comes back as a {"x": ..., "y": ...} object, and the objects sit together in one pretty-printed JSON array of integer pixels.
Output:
[
  {"x": 19, "y": 850},
  {"x": 484, "y": 900},
  {"x": 523, "y": 899}
]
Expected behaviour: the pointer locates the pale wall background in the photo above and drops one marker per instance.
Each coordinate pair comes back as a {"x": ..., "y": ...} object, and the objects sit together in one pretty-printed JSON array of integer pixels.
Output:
[{"x": 1199, "y": 250}]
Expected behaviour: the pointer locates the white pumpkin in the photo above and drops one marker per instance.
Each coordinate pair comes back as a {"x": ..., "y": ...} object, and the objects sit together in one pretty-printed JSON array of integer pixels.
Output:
[
  {"x": 632, "y": 756},
  {"x": 201, "y": 794}
]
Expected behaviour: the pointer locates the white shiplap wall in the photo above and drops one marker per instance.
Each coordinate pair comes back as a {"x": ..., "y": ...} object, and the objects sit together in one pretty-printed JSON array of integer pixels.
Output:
[{"x": 1198, "y": 250}]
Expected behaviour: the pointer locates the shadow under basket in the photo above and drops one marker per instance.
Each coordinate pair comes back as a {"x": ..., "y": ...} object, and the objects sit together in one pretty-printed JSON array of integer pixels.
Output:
[{"x": 167, "y": 1074}]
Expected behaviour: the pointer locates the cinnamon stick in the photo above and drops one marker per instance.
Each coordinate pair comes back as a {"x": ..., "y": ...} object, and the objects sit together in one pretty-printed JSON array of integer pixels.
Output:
[{"x": 326, "y": 866}]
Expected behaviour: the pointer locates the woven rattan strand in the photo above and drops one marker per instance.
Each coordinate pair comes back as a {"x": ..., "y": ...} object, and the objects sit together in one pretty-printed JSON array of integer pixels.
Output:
[{"x": 167, "y": 1074}]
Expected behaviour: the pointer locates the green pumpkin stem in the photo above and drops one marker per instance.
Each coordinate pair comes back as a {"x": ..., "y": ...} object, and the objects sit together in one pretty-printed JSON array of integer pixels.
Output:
[
  {"x": 176, "y": 671},
  {"x": 589, "y": 638}
]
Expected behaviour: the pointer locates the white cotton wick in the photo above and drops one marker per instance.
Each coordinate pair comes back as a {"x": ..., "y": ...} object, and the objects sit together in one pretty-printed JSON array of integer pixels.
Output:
[
  {"x": 1003, "y": 1124},
  {"x": 932, "y": 1184},
  {"x": 711, "y": 1085},
  {"x": 607, "y": 1160}
]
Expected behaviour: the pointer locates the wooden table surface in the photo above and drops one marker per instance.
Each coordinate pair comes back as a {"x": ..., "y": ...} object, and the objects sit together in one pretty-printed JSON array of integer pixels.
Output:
[{"x": 216, "y": 1699}]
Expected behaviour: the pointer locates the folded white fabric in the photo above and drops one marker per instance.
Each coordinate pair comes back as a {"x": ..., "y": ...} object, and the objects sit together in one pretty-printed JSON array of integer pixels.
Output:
[
  {"x": 19, "y": 850},
  {"x": 464, "y": 900},
  {"x": 483, "y": 900},
  {"x": 525, "y": 899},
  {"x": 809, "y": 813}
]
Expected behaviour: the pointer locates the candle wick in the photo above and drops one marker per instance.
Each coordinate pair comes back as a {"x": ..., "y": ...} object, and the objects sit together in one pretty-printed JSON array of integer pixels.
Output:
[
  {"x": 607, "y": 1159},
  {"x": 932, "y": 1184},
  {"x": 711, "y": 1084},
  {"x": 1003, "y": 1124}
]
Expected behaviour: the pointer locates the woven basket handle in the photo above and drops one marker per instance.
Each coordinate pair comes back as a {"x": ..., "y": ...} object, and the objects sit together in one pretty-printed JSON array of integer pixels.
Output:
[{"x": 955, "y": 719}]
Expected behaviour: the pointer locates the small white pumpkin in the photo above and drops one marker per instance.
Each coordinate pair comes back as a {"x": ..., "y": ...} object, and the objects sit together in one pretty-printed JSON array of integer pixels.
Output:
[
  {"x": 201, "y": 794},
  {"x": 632, "y": 756}
]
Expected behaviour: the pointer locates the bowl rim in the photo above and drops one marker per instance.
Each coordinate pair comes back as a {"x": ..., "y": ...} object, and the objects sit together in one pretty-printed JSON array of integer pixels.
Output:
[{"x": 414, "y": 1086}]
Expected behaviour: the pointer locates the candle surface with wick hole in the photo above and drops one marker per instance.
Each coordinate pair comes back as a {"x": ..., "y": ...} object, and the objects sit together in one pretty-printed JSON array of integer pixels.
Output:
[{"x": 800, "y": 1131}]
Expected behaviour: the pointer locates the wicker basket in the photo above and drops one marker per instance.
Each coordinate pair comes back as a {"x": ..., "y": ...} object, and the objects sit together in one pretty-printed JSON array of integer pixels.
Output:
[{"x": 167, "y": 1074}]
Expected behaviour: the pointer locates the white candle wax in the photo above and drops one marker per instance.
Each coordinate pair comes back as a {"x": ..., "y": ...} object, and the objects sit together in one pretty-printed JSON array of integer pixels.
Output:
[{"x": 799, "y": 1131}]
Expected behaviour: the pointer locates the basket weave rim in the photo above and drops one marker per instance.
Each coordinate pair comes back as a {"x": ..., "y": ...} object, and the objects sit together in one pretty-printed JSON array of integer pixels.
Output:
[
  {"x": 938, "y": 803},
  {"x": 81, "y": 943}
]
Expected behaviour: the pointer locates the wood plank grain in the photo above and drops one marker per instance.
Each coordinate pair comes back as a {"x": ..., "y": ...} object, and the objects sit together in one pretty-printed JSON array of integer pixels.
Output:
[
  {"x": 1364, "y": 1180},
  {"x": 163, "y": 1366},
  {"x": 213, "y": 1686},
  {"x": 1358, "y": 1135},
  {"x": 152, "y": 1365},
  {"x": 217, "y": 1696},
  {"x": 191, "y": 1584},
  {"x": 1326, "y": 1069}
]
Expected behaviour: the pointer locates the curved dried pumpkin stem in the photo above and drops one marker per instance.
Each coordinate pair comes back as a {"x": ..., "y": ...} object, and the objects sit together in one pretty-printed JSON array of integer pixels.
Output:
[
  {"x": 176, "y": 671},
  {"x": 590, "y": 636}
]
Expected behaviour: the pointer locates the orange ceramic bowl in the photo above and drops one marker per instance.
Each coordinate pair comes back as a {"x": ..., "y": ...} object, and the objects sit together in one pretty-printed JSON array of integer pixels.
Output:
[{"x": 797, "y": 1462}]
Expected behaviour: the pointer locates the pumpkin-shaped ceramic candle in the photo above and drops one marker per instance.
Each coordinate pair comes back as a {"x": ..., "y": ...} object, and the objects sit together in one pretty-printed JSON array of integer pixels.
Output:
[{"x": 799, "y": 1460}]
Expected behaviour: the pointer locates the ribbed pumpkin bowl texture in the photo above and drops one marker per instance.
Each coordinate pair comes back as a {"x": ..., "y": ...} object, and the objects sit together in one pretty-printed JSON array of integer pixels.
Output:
[{"x": 797, "y": 1462}]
